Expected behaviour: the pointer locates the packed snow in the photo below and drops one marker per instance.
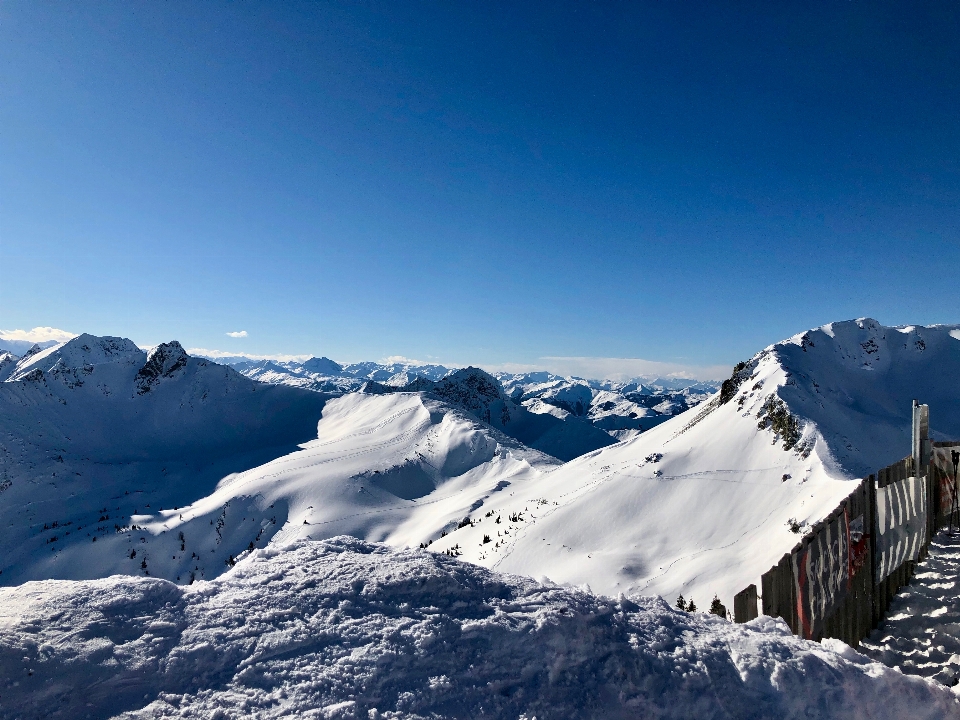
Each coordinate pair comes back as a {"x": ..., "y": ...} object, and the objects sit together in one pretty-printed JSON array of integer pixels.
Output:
[
  {"x": 346, "y": 629},
  {"x": 920, "y": 634}
]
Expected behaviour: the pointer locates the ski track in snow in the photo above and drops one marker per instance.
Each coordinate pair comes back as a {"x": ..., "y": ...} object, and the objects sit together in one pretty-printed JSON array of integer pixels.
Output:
[{"x": 666, "y": 569}]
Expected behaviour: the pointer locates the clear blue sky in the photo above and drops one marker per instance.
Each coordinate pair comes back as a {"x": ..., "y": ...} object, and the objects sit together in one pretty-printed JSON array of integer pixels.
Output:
[{"x": 478, "y": 182}]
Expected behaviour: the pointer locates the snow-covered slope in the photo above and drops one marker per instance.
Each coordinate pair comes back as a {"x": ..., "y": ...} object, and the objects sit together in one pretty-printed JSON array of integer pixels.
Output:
[
  {"x": 701, "y": 504},
  {"x": 343, "y": 629},
  {"x": 95, "y": 430},
  {"x": 480, "y": 393},
  {"x": 555, "y": 431},
  {"x": 8, "y": 362},
  {"x": 402, "y": 467}
]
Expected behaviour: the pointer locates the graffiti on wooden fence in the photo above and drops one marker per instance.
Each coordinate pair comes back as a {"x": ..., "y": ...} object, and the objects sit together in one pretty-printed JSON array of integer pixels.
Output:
[
  {"x": 858, "y": 544},
  {"x": 821, "y": 569},
  {"x": 839, "y": 581}
]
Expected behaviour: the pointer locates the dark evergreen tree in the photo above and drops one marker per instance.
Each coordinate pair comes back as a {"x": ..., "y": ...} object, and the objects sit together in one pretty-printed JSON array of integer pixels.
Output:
[{"x": 717, "y": 607}]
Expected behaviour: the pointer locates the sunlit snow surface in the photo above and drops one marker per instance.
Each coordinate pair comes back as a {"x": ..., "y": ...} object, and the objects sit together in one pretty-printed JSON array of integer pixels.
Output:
[
  {"x": 700, "y": 504},
  {"x": 342, "y": 628},
  {"x": 921, "y": 633}
]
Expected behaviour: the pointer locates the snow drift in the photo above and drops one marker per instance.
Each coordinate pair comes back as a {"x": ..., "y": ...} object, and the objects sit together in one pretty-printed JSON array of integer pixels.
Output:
[{"x": 345, "y": 629}]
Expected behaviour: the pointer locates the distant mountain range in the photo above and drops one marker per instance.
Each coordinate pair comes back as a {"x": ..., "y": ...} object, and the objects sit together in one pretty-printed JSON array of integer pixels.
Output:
[{"x": 623, "y": 409}]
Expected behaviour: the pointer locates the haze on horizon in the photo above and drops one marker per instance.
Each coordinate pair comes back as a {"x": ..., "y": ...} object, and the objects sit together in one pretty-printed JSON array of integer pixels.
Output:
[{"x": 478, "y": 184}]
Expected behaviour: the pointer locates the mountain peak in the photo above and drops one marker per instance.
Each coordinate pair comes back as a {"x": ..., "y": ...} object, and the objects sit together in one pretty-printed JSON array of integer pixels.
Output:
[
  {"x": 323, "y": 366},
  {"x": 77, "y": 357},
  {"x": 163, "y": 361},
  {"x": 472, "y": 389}
]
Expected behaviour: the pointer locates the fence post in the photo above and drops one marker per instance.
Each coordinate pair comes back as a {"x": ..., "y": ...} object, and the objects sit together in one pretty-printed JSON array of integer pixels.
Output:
[{"x": 745, "y": 604}]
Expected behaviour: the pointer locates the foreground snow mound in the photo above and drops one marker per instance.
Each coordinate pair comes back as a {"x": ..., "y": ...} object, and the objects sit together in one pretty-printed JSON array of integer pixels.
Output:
[{"x": 346, "y": 629}]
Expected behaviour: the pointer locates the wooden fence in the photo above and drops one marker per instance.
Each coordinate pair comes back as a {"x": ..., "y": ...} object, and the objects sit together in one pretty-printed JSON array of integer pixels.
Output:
[{"x": 838, "y": 581}]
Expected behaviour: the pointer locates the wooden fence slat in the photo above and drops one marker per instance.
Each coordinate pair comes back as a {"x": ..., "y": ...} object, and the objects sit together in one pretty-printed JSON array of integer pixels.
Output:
[
  {"x": 866, "y": 601},
  {"x": 745, "y": 604}
]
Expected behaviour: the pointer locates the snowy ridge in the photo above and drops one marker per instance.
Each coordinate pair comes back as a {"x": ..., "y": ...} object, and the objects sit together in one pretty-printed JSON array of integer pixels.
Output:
[
  {"x": 702, "y": 504},
  {"x": 401, "y": 467},
  {"x": 344, "y": 629},
  {"x": 95, "y": 425},
  {"x": 479, "y": 393},
  {"x": 622, "y": 409}
]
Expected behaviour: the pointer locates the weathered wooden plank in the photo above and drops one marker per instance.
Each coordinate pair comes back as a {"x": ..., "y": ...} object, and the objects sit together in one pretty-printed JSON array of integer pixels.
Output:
[{"x": 745, "y": 604}]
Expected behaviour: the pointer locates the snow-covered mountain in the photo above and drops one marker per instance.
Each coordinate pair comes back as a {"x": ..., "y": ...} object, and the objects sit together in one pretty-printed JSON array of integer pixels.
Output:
[
  {"x": 324, "y": 375},
  {"x": 95, "y": 430},
  {"x": 621, "y": 409},
  {"x": 701, "y": 504},
  {"x": 564, "y": 437},
  {"x": 21, "y": 347},
  {"x": 345, "y": 629},
  {"x": 115, "y": 461}
]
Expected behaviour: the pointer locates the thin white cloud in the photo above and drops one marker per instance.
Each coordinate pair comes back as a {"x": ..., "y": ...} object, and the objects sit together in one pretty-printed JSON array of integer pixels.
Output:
[
  {"x": 38, "y": 335},
  {"x": 599, "y": 368},
  {"x": 400, "y": 359},
  {"x": 205, "y": 352},
  {"x": 237, "y": 334}
]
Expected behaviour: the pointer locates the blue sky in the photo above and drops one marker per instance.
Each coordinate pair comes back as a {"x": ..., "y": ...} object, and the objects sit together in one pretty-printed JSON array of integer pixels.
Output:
[{"x": 478, "y": 182}]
